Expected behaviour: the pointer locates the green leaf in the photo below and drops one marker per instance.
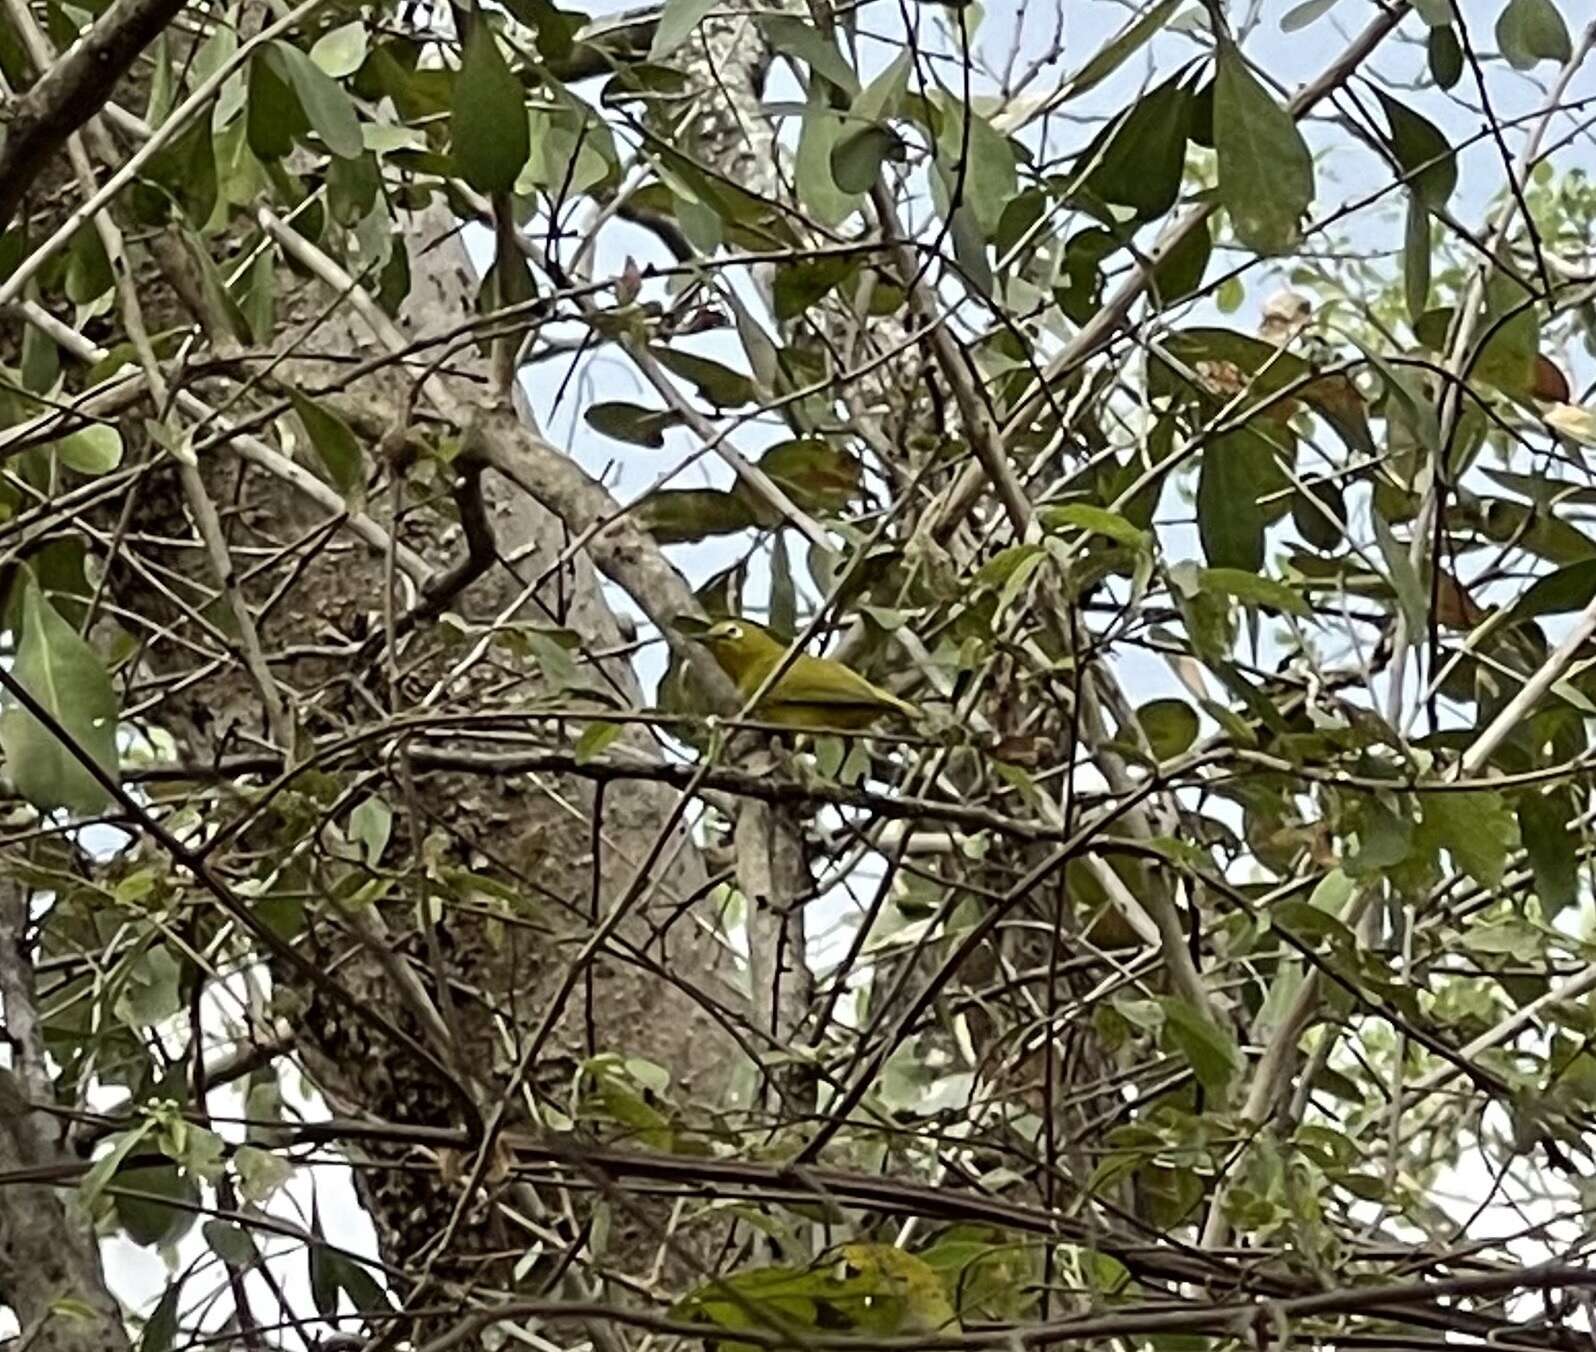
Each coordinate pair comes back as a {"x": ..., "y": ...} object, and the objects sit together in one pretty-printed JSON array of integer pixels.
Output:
[
  {"x": 676, "y": 22},
  {"x": 1081, "y": 290},
  {"x": 318, "y": 1257},
  {"x": 556, "y": 28},
  {"x": 1511, "y": 334},
  {"x": 817, "y": 475},
  {"x": 1531, "y": 31},
  {"x": 1138, "y": 160},
  {"x": 358, "y": 1284},
  {"x": 101, "y": 1171},
  {"x": 572, "y": 149},
  {"x": 41, "y": 360},
  {"x": 219, "y": 300},
  {"x": 1416, "y": 259},
  {"x": 1476, "y": 827},
  {"x": 340, "y": 51},
  {"x": 1095, "y": 521},
  {"x": 1300, "y": 16},
  {"x": 1412, "y": 595},
  {"x": 371, "y": 824},
  {"x": 96, "y": 449},
  {"x": 151, "y": 989},
  {"x": 1422, "y": 150},
  {"x": 1557, "y": 593},
  {"x": 720, "y": 385},
  {"x": 1445, "y": 54},
  {"x": 1383, "y": 840},
  {"x": 273, "y": 115},
  {"x": 969, "y": 249},
  {"x": 857, "y": 156},
  {"x": 1179, "y": 271},
  {"x": 89, "y": 274},
  {"x": 1254, "y": 589},
  {"x": 70, "y": 683},
  {"x": 145, "y": 1218},
  {"x": 260, "y": 1173},
  {"x": 792, "y": 36},
  {"x": 1120, "y": 48},
  {"x": 329, "y": 110},
  {"x": 1209, "y": 1049},
  {"x": 818, "y": 192},
  {"x": 1170, "y": 726},
  {"x": 335, "y": 443},
  {"x": 1236, "y": 470},
  {"x": 160, "y": 1329},
  {"x": 596, "y": 736},
  {"x": 1541, "y": 532},
  {"x": 1546, "y": 825},
  {"x": 783, "y": 592},
  {"x": 160, "y": 100},
  {"x": 632, "y": 423},
  {"x": 882, "y": 99},
  {"x": 976, "y": 163},
  {"x": 352, "y": 189},
  {"x": 259, "y": 303},
  {"x": 1312, "y": 923},
  {"x": 1319, "y": 511},
  {"x": 806, "y": 282},
  {"x": 231, "y": 1243},
  {"x": 1265, "y": 170},
  {"x": 680, "y": 515},
  {"x": 489, "y": 133},
  {"x": 1407, "y": 406},
  {"x": 200, "y": 1152}
]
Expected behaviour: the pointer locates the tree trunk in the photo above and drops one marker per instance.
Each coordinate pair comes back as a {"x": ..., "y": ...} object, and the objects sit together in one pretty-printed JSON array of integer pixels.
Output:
[{"x": 491, "y": 883}]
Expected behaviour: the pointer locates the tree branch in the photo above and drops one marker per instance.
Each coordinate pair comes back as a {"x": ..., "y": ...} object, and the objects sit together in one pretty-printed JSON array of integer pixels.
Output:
[{"x": 72, "y": 90}]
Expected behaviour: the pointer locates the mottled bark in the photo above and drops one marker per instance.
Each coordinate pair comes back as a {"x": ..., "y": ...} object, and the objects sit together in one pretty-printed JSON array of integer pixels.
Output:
[
  {"x": 50, "y": 1273},
  {"x": 319, "y": 597}
]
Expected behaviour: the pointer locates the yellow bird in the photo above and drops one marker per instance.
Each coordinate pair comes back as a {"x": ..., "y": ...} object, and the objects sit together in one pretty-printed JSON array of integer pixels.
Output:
[
  {"x": 908, "y": 1296},
  {"x": 813, "y": 692}
]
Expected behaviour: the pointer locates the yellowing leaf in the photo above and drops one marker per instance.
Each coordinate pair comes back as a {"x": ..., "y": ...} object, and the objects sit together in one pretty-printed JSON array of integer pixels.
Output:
[{"x": 1576, "y": 423}]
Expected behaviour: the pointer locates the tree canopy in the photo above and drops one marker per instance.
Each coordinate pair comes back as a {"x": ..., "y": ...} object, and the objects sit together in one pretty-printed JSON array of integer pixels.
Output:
[{"x": 425, "y": 924}]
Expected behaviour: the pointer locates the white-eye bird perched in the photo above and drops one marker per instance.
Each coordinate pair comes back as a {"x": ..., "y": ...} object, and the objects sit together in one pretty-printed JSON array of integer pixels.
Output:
[{"x": 811, "y": 693}]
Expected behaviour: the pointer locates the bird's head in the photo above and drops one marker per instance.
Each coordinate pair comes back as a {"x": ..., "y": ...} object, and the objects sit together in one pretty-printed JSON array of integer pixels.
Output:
[
  {"x": 738, "y": 645},
  {"x": 726, "y": 634}
]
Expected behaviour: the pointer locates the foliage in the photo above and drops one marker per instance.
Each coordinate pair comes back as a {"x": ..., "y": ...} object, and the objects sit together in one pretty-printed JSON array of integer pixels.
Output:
[{"x": 1184, "y": 426}]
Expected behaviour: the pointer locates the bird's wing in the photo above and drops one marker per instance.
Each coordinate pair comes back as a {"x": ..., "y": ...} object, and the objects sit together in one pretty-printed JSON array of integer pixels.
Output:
[{"x": 813, "y": 680}]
